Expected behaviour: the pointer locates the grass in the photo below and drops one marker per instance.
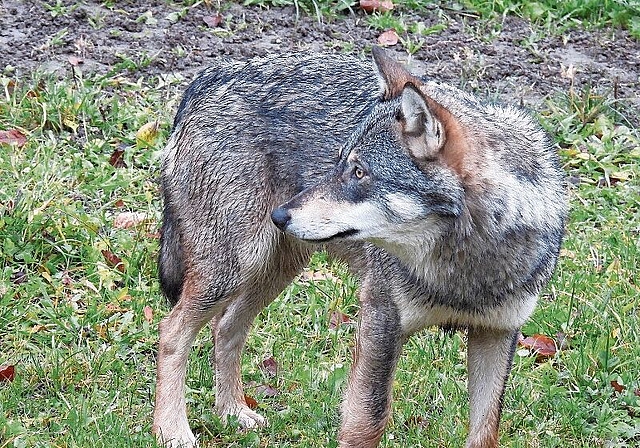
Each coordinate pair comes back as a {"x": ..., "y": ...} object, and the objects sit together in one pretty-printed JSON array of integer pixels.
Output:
[
  {"x": 545, "y": 16},
  {"x": 81, "y": 329}
]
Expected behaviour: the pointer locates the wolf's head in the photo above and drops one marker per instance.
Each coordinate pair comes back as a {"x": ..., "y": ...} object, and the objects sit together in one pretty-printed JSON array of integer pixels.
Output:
[{"x": 400, "y": 177}]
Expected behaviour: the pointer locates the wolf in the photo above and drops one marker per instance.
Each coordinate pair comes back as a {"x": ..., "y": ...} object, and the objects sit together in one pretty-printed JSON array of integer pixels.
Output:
[{"x": 450, "y": 210}]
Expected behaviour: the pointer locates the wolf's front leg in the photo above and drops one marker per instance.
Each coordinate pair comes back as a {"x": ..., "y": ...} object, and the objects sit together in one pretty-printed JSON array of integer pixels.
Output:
[
  {"x": 489, "y": 359},
  {"x": 367, "y": 402}
]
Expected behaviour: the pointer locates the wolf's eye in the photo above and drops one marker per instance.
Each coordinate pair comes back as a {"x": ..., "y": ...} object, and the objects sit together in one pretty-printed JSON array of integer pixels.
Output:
[{"x": 358, "y": 172}]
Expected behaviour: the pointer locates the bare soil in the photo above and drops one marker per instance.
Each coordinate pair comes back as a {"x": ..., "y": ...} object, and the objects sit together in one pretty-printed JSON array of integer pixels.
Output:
[{"x": 510, "y": 61}]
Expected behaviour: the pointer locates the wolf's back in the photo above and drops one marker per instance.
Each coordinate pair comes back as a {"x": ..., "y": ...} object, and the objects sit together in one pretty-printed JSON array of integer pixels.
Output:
[{"x": 272, "y": 124}]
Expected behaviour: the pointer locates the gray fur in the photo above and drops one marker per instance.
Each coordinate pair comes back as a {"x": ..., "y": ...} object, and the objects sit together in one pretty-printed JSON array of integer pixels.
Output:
[{"x": 451, "y": 210}]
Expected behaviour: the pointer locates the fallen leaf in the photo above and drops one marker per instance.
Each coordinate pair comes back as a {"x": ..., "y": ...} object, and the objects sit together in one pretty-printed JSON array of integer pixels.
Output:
[
  {"x": 148, "y": 313},
  {"x": 153, "y": 235},
  {"x": 266, "y": 390},
  {"x": 147, "y": 135},
  {"x": 117, "y": 158},
  {"x": 7, "y": 372},
  {"x": 213, "y": 21},
  {"x": 119, "y": 203},
  {"x": 113, "y": 260},
  {"x": 75, "y": 61},
  {"x": 376, "y": 5},
  {"x": 251, "y": 402},
  {"x": 269, "y": 366},
  {"x": 13, "y": 137},
  {"x": 336, "y": 318},
  {"x": 388, "y": 38},
  {"x": 126, "y": 220},
  {"x": 619, "y": 388},
  {"x": 543, "y": 346}
]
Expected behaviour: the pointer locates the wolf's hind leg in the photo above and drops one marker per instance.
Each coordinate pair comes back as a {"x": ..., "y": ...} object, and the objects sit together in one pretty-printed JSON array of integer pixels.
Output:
[
  {"x": 177, "y": 333},
  {"x": 489, "y": 357},
  {"x": 231, "y": 329}
]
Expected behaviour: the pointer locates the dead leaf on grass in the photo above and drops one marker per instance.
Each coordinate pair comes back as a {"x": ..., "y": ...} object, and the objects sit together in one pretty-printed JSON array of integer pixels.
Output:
[
  {"x": 127, "y": 220},
  {"x": 388, "y": 38},
  {"x": 13, "y": 137},
  {"x": 148, "y": 313},
  {"x": 543, "y": 346},
  {"x": 148, "y": 134},
  {"x": 7, "y": 372},
  {"x": 619, "y": 388},
  {"x": 376, "y": 5},
  {"x": 117, "y": 158},
  {"x": 113, "y": 260},
  {"x": 269, "y": 366},
  {"x": 251, "y": 402},
  {"x": 337, "y": 318}
]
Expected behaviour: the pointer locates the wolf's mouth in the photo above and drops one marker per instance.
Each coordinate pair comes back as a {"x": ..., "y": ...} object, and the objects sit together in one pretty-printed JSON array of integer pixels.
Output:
[{"x": 339, "y": 235}]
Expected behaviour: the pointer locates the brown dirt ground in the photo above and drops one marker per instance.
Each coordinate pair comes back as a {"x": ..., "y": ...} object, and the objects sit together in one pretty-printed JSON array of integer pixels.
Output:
[{"x": 515, "y": 64}]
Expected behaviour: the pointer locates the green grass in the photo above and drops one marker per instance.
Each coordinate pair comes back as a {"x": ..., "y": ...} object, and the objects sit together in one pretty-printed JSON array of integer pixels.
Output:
[
  {"x": 561, "y": 14},
  {"x": 74, "y": 325},
  {"x": 545, "y": 16}
]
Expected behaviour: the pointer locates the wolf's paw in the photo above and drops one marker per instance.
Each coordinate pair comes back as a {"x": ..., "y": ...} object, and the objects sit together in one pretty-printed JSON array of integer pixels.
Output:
[
  {"x": 247, "y": 418},
  {"x": 174, "y": 433},
  {"x": 177, "y": 441}
]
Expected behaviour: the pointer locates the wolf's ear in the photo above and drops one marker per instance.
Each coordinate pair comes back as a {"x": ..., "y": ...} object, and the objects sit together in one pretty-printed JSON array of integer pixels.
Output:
[
  {"x": 391, "y": 75},
  {"x": 422, "y": 129}
]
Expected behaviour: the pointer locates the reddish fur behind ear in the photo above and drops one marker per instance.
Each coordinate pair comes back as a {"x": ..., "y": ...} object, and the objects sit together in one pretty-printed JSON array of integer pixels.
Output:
[
  {"x": 393, "y": 75},
  {"x": 457, "y": 152}
]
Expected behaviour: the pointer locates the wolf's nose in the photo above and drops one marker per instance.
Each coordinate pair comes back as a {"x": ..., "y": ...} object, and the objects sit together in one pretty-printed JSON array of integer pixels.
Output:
[{"x": 281, "y": 217}]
